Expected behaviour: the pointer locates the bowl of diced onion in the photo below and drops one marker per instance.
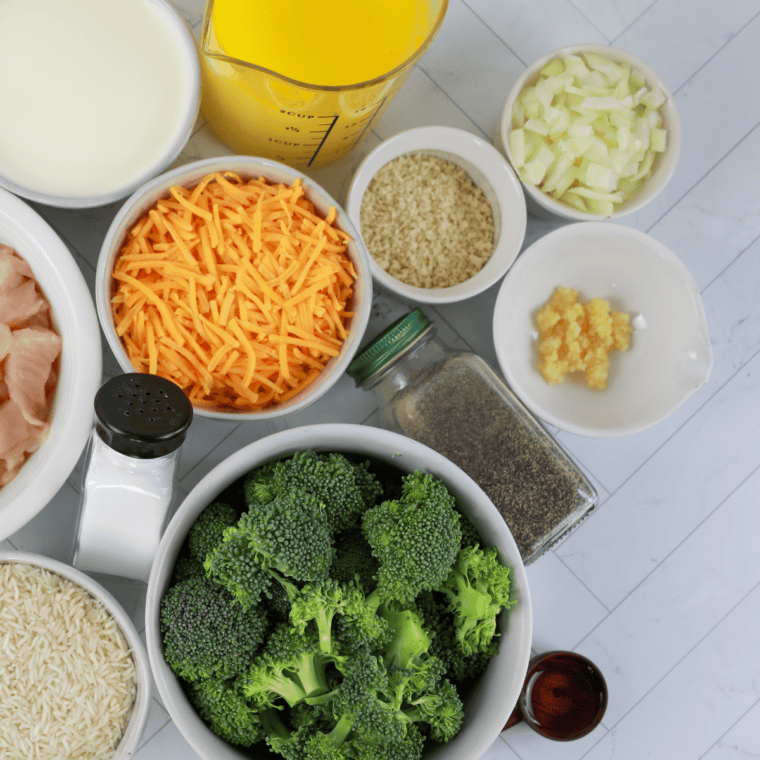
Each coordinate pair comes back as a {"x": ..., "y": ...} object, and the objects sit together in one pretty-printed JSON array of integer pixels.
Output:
[{"x": 592, "y": 131}]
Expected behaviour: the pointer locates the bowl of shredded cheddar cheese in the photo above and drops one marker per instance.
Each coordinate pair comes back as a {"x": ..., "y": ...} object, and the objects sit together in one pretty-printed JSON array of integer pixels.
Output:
[
  {"x": 240, "y": 280},
  {"x": 600, "y": 330}
]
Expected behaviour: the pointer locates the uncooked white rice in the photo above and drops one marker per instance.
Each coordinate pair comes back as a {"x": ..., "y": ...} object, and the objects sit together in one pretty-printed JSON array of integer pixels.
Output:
[{"x": 67, "y": 676}]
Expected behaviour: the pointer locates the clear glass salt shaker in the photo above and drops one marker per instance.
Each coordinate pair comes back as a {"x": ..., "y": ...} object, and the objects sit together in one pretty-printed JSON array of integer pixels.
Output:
[
  {"x": 455, "y": 403},
  {"x": 130, "y": 474}
]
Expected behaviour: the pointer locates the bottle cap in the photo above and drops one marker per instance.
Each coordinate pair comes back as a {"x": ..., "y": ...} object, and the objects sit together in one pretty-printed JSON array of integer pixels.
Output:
[
  {"x": 388, "y": 345},
  {"x": 142, "y": 415}
]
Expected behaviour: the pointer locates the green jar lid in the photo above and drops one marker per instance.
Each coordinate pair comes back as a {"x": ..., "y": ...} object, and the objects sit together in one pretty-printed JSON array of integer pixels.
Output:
[{"x": 389, "y": 344}]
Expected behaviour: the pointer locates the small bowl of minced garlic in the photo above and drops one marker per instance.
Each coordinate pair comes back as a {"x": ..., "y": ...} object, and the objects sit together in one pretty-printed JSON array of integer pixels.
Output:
[
  {"x": 441, "y": 213},
  {"x": 600, "y": 330}
]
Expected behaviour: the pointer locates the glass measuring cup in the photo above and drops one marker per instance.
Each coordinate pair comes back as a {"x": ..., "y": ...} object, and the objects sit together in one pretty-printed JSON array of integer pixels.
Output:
[{"x": 255, "y": 110}]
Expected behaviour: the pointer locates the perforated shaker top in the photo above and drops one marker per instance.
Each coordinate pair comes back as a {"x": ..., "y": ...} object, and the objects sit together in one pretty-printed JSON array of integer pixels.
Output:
[{"x": 142, "y": 415}]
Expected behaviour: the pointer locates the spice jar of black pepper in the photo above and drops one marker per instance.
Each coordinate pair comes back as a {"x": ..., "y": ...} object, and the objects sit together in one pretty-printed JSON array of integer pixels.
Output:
[{"x": 455, "y": 403}]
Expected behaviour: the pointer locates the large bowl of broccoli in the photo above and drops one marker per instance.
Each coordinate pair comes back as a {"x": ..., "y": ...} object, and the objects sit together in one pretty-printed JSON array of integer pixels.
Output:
[{"x": 338, "y": 592}]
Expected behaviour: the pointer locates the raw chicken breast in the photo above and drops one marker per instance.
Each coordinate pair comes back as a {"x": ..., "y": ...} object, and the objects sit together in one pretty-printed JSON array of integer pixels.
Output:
[{"x": 29, "y": 351}]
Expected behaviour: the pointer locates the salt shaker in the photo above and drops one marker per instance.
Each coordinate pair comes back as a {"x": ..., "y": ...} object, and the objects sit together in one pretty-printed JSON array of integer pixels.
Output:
[
  {"x": 453, "y": 402},
  {"x": 130, "y": 474}
]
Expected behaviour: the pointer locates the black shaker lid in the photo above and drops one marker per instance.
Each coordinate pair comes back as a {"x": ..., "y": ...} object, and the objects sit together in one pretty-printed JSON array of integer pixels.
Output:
[{"x": 142, "y": 415}]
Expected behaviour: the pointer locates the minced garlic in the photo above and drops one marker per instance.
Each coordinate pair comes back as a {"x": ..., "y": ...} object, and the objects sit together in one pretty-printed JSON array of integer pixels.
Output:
[{"x": 579, "y": 337}]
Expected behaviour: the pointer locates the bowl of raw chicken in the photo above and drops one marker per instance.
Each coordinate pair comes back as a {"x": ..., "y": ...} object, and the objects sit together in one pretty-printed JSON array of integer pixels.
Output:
[{"x": 50, "y": 363}]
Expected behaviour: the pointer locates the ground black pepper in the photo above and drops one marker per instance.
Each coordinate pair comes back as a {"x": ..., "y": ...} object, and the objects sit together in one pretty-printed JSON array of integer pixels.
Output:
[{"x": 453, "y": 408}]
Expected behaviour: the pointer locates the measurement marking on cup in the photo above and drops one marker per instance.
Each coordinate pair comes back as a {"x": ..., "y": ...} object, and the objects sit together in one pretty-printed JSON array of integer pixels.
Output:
[
  {"x": 371, "y": 118},
  {"x": 333, "y": 121}
]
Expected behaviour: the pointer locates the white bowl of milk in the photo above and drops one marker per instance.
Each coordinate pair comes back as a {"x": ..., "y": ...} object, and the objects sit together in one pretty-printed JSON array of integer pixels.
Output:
[{"x": 96, "y": 97}]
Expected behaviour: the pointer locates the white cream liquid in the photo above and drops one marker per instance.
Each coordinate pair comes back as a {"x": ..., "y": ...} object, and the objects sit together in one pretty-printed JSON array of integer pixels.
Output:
[{"x": 92, "y": 93}]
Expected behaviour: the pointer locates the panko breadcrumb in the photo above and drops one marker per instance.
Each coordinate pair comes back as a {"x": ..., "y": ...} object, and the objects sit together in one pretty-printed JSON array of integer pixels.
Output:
[
  {"x": 579, "y": 337},
  {"x": 426, "y": 223}
]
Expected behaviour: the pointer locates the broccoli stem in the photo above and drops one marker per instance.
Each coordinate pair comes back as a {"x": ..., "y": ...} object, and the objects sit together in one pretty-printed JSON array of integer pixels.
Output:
[
  {"x": 409, "y": 639},
  {"x": 324, "y": 622},
  {"x": 289, "y": 689},
  {"x": 342, "y": 729},
  {"x": 273, "y": 724},
  {"x": 311, "y": 673}
]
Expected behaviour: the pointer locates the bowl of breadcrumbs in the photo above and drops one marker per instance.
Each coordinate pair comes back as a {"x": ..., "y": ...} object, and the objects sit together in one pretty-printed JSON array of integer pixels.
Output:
[{"x": 441, "y": 213}]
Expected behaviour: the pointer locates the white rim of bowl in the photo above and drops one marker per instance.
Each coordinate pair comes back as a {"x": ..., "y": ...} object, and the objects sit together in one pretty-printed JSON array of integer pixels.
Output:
[
  {"x": 133, "y": 733},
  {"x": 474, "y": 150},
  {"x": 331, "y": 436},
  {"x": 502, "y": 296},
  {"x": 67, "y": 413},
  {"x": 180, "y": 26},
  {"x": 158, "y": 187},
  {"x": 670, "y": 158}
]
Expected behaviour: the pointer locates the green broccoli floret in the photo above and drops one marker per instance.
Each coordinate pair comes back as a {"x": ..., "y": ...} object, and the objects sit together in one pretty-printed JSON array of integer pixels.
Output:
[
  {"x": 278, "y": 601},
  {"x": 320, "y": 602},
  {"x": 281, "y": 738},
  {"x": 223, "y": 708},
  {"x": 354, "y": 560},
  {"x": 232, "y": 564},
  {"x": 332, "y": 605},
  {"x": 368, "y": 484},
  {"x": 186, "y": 567},
  {"x": 477, "y": 590},
  {"x": 290, "y": 667},
  {"x": 412, "y": 668},
  {"x": 366, "y": 722},
  {"x": 290, "y": 535},
  {"x": 415, "y": 538},
  {"x": 440, "y": 626},
  {"x": 345, "y": 489},
  {"x": 470, "y": 534},
  {"x": 206, "y": 532},
  {"x": 205, "y": 635},
  {"x": 257, "y": 486},
  {"x": 440, "y": 709}
]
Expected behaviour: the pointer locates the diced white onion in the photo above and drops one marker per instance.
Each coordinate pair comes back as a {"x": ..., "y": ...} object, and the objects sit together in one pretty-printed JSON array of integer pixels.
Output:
[
  {"x": 658, "y": 140},
  {"x": 538, "y": 125},
  {"x": 587, "y": 131},
  {"x": 517, "y": 146},
  {"x": 534, "y": 172}
]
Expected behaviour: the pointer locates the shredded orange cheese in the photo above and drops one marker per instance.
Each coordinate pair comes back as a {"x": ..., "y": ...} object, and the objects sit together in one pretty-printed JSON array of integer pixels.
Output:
[{"x": 236, "y": 290}]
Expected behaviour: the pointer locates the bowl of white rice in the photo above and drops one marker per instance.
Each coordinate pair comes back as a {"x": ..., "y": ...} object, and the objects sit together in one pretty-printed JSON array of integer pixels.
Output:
[
  {"x": 441, "y": 213},
  {"x": 76, "y": 680}
]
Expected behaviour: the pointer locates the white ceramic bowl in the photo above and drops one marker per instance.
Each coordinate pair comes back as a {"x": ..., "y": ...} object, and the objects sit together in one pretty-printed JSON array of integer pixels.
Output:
[
  {"x": 541, "y": 204},
  {"x": 247, "y": 167},
  {"x": 487, "y": 168},
  {"x": 169, "y": 137},
  {"x": 57, "y": 273},
  {"x": 491, "y": 702},
  {"x": 133, "y": 732},
  {"x": 670, "y": 355}
]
